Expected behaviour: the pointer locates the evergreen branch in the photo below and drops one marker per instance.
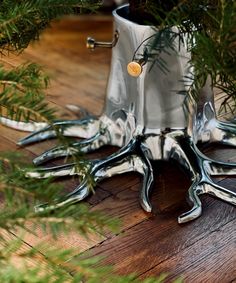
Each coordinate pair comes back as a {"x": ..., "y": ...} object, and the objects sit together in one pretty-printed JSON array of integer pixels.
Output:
[
  {"x": 23, "y": 21},
  {"x": 23, "y": 194},
  {"x": 22, "y": 93},
  {"x": 57, "y": 266},
  {"x": 208, "y": 27}
]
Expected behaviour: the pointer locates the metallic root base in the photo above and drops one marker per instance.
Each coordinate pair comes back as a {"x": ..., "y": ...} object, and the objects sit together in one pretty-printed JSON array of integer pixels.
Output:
[
  {"x": 96, "y": 133},
  {"x": 131, "y": 158},
  {"x": 209, "y": 129},
  {"x": 84, "y": 128},
  {"x": 135, "y": 156}
]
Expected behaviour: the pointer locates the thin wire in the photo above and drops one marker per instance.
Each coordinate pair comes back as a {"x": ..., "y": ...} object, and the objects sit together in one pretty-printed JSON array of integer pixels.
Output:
[{"x": 135, "y": 52}]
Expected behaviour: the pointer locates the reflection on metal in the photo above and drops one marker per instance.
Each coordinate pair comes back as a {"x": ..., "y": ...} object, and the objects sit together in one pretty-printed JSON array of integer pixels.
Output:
[{"x": 143, "y": 116}]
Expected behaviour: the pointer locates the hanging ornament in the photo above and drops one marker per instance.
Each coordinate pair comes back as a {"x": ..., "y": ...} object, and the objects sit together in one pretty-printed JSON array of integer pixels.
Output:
[{"x": 135, "y": 68}]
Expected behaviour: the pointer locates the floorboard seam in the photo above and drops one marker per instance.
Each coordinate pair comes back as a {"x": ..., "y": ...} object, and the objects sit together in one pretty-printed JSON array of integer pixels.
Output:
[
  {"x": 116, "y": 235},
  {"x": 42, "y": 254},
  {"x": 174, "y": 254}
]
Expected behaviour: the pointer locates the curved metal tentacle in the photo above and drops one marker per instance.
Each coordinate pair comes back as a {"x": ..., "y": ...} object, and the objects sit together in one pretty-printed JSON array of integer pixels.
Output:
[
  {"x": 213, "y": 167},
  {"x": 55, "y": 171},
  {"x": 77, "y": 195},
  {"x": 123, "y": 161},
  {"x": 84, "y": 146},
  {"x": 79, "y": 111},
  {"x": 131, "y": 158},
  {"x": 73, "y": 168},
  {"x": 220, "y": 192},
  {"x": 210, "y": 129},
  {"x": 84, "y": 128},
  {"x": 224, "y": 133},
  {"x": 217, "y": 168},
  {"x": 204, "y": 187},
  {"x": 180, "y": 147},
  {"x": 177, "y": 146},
  {"x": 144, "y": 167},
  {"x": 98, "y": 173},
  {"x": 23, "y": 126},
  {"x": 205, "y": 167},
  {"x": 193, "y": 199}
]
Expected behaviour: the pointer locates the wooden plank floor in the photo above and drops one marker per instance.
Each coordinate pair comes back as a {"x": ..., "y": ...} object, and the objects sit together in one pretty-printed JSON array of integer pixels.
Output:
[{"x": 201, "y": 251}]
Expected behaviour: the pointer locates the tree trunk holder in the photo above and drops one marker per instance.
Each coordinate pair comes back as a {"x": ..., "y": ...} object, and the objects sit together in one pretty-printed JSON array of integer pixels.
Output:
[{"x": 144, "y": 116}]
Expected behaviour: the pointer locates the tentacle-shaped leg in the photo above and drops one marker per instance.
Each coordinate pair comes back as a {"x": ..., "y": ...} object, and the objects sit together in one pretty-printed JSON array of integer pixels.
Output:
[
  {"x": 131, "y": 158},
  {"x": 23, "y": 126},
  {"x": 94, "y": 165},
  {"x": 207, "y": 127},
  {"x": 179, "y": 146},
  {"x": 193, "y": 199},
  {"x": 204, "y": 167},
  {"x": 215, "y": 168},
  {"x": 220, "y": 192},
  {"x": 203, "y": 123},
  {"x": 97, "y": 172},
  {"x": 84, "y": 128},
  {"x": 205, "y": 186},
  {"x": 145, "y": 168},
  {"x": 224, "y": 133},
  {"x": 84, "y": 146},
  {"x": 55, "y": 171}
]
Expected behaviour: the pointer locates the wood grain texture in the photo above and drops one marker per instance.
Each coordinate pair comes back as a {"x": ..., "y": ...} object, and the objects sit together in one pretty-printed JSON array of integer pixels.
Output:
[{"x": 148, "y": 244}]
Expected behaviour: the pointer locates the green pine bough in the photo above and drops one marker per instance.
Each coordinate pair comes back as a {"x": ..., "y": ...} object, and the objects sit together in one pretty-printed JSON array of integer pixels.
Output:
[{"x": 209, "y": 28}]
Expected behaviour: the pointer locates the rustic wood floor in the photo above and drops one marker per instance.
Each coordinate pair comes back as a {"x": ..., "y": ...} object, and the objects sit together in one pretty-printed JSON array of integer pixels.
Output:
[{"x": 201, "y": 251}]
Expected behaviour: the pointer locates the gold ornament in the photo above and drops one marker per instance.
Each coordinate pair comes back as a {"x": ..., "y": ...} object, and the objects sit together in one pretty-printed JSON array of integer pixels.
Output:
[{"x": 134, "y": 69}]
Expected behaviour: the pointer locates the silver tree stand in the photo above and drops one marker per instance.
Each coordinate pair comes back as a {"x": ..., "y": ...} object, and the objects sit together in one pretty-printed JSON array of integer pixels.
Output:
[{"x": 144, "y": 116}]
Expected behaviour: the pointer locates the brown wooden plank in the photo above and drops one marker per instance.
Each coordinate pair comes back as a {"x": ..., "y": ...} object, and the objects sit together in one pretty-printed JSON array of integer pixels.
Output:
[
  {"x": 72, "y": 239},
  {"x": 119, "y": 183},
  {"x": 36, "y": 261},
  {"x": 155, "y": 240},
  {"x": 124, "y": 204},
  {"x": 209, "y": 261},
  {"x": 125, "y": 207}
]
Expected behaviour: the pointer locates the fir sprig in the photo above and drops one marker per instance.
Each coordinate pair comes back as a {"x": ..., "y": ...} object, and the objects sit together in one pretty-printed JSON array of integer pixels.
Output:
[
  {"x": 23, "y": 21},
  {"x": 208, "y": 27},
  {"x": 54, "y": 264},
  {"x": 21, "y": 194},
  {"x": 59, "y": 266},
  {"x": 22, "y": 93}
]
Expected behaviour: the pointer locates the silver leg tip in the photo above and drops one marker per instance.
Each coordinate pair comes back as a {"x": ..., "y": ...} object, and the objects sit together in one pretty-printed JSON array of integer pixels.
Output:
[{"x": 190, "y": 215}]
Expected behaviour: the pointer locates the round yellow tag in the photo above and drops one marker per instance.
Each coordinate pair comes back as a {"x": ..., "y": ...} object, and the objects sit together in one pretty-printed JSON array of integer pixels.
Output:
[{"x": 134, "y": 69}]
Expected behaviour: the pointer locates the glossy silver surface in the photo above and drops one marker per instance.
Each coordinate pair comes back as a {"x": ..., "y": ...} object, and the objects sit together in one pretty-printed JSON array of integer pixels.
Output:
[
  {"x": 134, "y": 157},
  {"x": 153, "y": 96},
  {"x": 205, "y": 125},
  {"x": 141, "y": 97},
  {"x": 178, "y": 145},
  {"x": 131, "y": 158},
  {"x": 144, "y": 116}
]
